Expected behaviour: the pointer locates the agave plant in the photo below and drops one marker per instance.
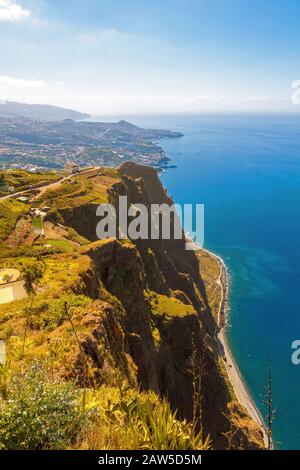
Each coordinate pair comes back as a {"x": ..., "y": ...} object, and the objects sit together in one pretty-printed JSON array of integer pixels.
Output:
[
  {"x": 153, "y": 425},
  {"x": 163, "y": 431}
]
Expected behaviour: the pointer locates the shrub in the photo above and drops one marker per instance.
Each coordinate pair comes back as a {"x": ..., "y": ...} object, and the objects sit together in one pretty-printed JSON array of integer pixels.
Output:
[
  {"x": 32, "y": 273},
  {"x": 54, "y": 216},
  {"x": 39, "y": 413},
  {"x": 134, "y": 420}
]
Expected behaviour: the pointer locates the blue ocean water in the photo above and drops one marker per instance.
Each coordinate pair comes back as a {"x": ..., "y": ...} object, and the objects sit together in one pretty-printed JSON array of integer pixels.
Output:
[{"x": 246, "y": 170}]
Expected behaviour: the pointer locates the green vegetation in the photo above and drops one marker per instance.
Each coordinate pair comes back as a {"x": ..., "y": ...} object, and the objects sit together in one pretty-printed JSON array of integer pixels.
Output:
[
  {"x": 54, "y": 216},
  {"x": 32, "y": 274},
  {"x": 110, "y": 172},
  {"x": 75, "y": 237},
  {"x": 131, "y": 420},
  {"x": 75, "y": 192},
  {"x": 62, "y": 245},
  {"x": 40, "y": 412},
  {"x": 10, "y": 211},
  {"x": 59, "y": 196},
  {"x": 39, "y": 409},
  {"x": 62, "y": 271},
  {"x": 210, "y": 273},
  {"x": 37, "y": 223},
  {"x": 227, "y": 379},
  {"x": 4, "y": 188},
  {"x": 21, "y": 179},
  {"x": 168, "y": 306},
  {"x": 155, "y": 335}
]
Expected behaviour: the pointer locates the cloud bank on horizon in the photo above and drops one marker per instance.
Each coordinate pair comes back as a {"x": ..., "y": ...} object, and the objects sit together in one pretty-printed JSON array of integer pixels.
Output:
[{"x": 150, "y": 57}]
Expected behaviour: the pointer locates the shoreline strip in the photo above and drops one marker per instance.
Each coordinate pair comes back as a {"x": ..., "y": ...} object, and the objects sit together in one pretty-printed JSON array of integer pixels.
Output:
[{"x": 242, "y": 393}]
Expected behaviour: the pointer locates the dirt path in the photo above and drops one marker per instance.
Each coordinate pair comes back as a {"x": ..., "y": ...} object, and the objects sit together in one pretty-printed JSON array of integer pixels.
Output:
[{"x": 54, "y": 232}]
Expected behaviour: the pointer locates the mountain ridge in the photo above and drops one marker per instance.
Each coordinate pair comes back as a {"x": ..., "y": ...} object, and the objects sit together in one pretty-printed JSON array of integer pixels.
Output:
[{"x": 44, "y": 112}]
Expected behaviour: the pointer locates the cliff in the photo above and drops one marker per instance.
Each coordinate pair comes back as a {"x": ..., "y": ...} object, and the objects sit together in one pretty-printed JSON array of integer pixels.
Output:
[
  {"x": 147, "y": 312},
  {"x": 164, "y": 267}
]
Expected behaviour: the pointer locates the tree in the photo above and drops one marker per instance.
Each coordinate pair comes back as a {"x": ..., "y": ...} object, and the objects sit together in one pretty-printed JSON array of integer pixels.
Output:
[{"x": 32, "y": 274}]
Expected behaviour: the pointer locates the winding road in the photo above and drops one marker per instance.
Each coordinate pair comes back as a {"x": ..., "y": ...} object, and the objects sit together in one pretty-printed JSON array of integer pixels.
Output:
[{"x": 43, "y": 187}]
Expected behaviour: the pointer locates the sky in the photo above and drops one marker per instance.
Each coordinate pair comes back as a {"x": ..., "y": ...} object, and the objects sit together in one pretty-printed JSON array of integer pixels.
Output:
[{"x": 151, "y": 56}]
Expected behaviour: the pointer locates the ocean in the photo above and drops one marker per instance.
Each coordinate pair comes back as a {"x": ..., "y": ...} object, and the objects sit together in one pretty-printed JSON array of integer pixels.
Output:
[{"x": 245, "y": 169}]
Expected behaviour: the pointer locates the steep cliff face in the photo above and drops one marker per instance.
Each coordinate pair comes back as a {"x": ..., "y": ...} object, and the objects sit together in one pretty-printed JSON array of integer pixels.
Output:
[
  {"x": 167, "y": 324},
  {"x": 119, "y": 267},
  {"x": 114, "y": 313},
  {"x": 169, "y": 265}
]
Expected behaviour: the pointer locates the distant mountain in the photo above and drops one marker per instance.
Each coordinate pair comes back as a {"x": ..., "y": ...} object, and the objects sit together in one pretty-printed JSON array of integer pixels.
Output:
[{"x": 41, "y": 112}]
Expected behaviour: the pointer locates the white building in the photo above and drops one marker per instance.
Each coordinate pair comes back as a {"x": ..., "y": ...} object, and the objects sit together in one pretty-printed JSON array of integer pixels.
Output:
[
  {"x": 71, "y": 168},
  {"x": 11, "y": 286}
]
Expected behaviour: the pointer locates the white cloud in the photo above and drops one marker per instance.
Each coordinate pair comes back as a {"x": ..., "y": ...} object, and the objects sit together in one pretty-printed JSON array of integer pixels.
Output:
[
  {"x": 10, "y": 85},
  {"x": 20, "y": 82},
  {"x": 12, "y": 12}
]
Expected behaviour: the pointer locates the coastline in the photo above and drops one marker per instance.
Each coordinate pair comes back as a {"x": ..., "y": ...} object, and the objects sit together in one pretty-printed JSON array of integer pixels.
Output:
[{"x": 235, "y": 377}]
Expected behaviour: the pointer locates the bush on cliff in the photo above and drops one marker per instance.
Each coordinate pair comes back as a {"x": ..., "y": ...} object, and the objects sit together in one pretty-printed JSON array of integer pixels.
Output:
[{"x": 40, "y": 413}]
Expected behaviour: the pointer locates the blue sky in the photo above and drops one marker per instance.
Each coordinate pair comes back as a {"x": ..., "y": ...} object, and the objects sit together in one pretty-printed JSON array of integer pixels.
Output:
[{"x": 135, "y": 56}]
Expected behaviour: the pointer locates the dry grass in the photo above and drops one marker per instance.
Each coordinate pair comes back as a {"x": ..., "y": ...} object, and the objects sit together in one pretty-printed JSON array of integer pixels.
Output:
[
  {"x": 78, "y": 191},
  {"x": 10, "y": 211},
  {"x": 210, "y": 273},
  {"x": 21, "y": 180}
]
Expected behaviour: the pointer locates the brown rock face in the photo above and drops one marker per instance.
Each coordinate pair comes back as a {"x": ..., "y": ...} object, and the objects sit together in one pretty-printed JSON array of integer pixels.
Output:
[{"x": 120, "y": 269}]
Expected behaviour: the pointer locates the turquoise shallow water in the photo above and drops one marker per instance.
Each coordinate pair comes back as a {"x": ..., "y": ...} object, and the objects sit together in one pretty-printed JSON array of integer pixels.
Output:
[{"x": 246, "y": 170}]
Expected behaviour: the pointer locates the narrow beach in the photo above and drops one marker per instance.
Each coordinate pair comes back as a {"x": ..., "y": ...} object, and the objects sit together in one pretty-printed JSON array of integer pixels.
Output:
[{"x": 234, "y": 374}]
